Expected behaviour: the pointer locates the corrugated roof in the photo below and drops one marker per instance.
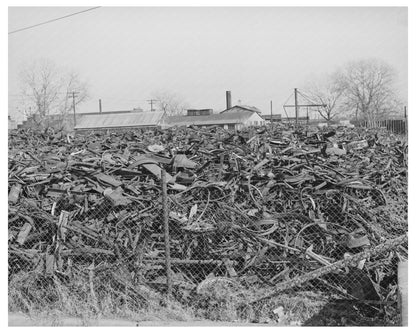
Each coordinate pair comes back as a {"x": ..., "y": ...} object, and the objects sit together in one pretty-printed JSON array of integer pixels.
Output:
[
  {"x": 102, "y": 120},
  {"x": 214, "y": 119}
]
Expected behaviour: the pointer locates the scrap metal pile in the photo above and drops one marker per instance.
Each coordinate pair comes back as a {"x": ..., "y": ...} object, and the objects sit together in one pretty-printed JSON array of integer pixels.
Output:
[{"x": 260, "y": 207}]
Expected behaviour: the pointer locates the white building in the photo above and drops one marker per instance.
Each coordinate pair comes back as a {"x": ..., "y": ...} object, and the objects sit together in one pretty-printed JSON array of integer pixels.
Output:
[{"x": 234, "y": 118}]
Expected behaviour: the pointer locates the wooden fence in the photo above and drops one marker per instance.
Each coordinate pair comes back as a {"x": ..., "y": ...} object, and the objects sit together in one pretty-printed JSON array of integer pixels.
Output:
[{"x": 397, "y": 126}]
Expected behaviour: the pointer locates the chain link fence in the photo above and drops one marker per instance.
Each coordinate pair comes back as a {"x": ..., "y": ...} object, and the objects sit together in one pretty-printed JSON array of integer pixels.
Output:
[{"x": 268, "y": 225}]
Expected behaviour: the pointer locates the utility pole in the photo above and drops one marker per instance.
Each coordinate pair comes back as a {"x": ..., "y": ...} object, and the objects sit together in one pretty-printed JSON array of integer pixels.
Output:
[
  {"x": 296, "y": 105},
  {"x": 271, "y": 113},
  {"x": 74, "y": 94},
  {"x": 99, "y": 106},
  {"x": 165, "y": 207},
  {"x": 151, "y": 101}
]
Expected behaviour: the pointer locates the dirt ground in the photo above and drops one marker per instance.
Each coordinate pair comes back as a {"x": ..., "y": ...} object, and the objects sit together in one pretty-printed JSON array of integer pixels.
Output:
[{"x": 20, "y": 319}]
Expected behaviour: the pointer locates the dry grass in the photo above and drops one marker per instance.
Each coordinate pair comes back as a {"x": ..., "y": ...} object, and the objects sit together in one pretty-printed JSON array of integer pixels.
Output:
[
  {"x": 224, "y": 300},
  {"x": 296, "y": 308},
  {"x": 46, "y": 297},
  {"x": 50, "y": 301}
]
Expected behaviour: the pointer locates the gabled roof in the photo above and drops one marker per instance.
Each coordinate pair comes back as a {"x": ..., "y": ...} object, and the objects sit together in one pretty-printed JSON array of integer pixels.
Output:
[
  {"x": 114, "y": 120},
  {"x": 238, "y": 108},
  {"x": 214, "y": 119}
]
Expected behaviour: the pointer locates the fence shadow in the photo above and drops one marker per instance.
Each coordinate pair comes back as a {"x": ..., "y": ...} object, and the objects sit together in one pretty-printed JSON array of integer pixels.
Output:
[{"x": 348, "y": 313}]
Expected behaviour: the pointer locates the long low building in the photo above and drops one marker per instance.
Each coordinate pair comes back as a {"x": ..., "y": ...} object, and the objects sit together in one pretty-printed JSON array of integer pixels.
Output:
[
  {"x": 234, "y": 118},
  {"x": 119, "y": 120}
]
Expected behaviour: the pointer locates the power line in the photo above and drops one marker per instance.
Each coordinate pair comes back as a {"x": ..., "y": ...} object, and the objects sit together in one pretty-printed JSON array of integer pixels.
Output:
[
  {"x": 308, "y": 99},
  {"x": 284, "y": 105},
  {"x": 65, "y": 93},
  {"x": 124, "y": 99},
  {"x": 53, "y": 20}
]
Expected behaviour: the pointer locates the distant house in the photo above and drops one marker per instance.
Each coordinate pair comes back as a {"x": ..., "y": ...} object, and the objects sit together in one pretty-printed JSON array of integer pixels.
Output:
[
  {"x": 275, "y": 118},
  {"x": 292, "y": 120},
  {"x": 118, "y": 120},
  {"x": 234, "y": 118}
]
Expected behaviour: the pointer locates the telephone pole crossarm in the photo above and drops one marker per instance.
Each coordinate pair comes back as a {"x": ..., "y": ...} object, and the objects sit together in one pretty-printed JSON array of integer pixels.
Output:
[{"x": 151, "y": 101}]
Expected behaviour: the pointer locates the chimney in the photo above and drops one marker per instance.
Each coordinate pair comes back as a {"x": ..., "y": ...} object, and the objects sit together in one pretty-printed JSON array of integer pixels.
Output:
[{"x": 228, "y": 99}]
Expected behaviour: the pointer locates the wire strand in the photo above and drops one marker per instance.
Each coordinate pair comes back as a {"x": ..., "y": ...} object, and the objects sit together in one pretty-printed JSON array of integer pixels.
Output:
[
  {"x": 53, "y": 20},
  {"x": 307, "y": 98}
]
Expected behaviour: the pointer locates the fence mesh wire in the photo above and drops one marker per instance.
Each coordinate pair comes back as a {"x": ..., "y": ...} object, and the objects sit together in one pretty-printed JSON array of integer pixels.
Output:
[{"x": 253, "y": 221}]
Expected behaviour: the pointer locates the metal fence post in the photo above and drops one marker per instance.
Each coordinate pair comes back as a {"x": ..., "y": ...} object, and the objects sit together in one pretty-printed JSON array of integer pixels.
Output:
[
  {"x": 166, "y": 231},
  {"x": 403, "y": 296}
]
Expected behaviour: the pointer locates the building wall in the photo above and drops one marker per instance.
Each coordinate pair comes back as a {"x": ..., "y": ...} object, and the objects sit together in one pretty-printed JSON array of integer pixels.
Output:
[
  {"x": 254, "y": 120},
  {"x": 276, "y": 118},
  {"x": 235, "y": 119}
]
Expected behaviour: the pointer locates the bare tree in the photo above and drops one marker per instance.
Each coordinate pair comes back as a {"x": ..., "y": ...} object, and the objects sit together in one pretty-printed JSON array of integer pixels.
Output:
[
  {"x": 327, "y": 92},
  {"x": 368, "y": 88},
  {"x": 170, "y": 103},
  {"x": 46, "y": 90}
]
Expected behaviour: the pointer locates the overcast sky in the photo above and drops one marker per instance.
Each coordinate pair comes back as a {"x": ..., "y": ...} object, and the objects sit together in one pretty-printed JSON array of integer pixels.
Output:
[{"x": 260, "y": 54}]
